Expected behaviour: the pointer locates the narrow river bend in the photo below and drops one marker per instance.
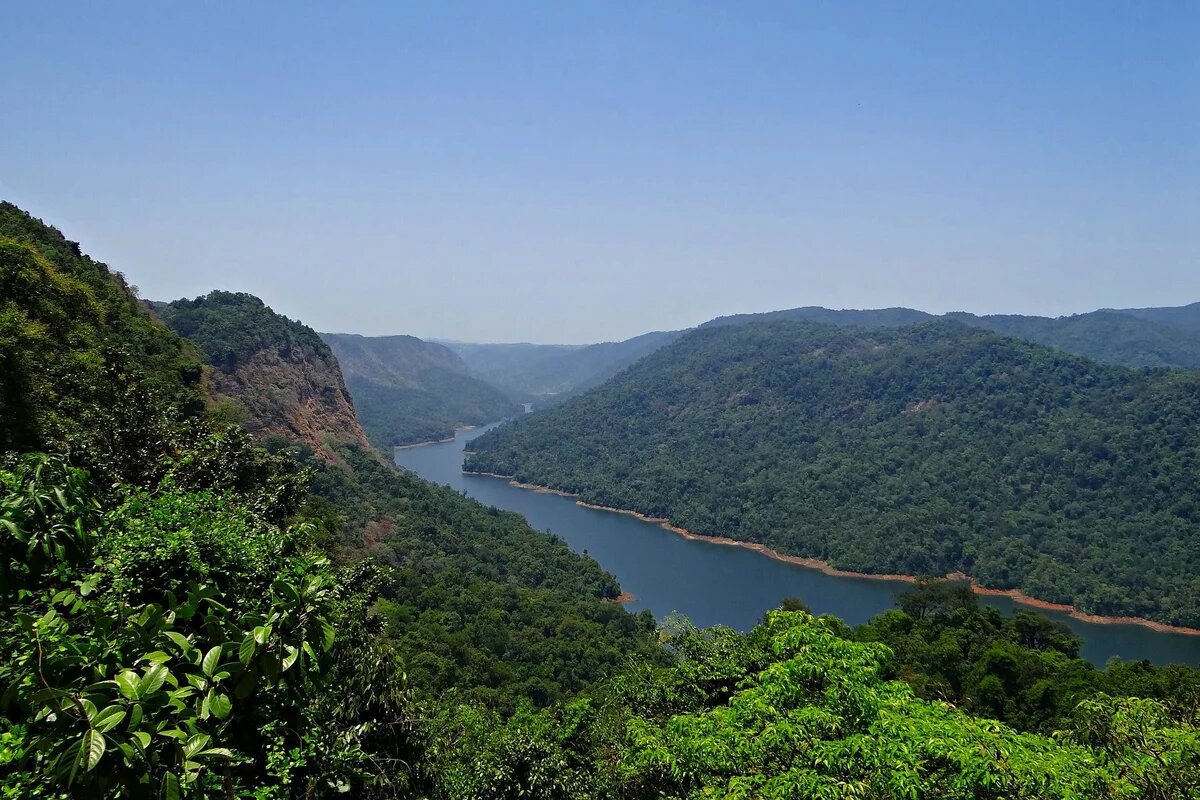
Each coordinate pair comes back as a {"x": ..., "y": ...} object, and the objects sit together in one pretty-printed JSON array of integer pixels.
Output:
[{"x": 732, "y": 586}]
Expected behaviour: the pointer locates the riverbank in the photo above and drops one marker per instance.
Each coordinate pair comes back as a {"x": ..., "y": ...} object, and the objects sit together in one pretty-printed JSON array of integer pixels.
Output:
[
  {"x": 449, "y": 438},
  {"x": 1015, "y": 595}
]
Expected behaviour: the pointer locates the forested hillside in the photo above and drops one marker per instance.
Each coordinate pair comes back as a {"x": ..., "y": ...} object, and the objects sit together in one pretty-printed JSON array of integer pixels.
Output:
[
  {"x": 1185, "y": 317},
  {"x": 922, "y": 450},
  {"x": 248, "y": 561},
  {"x": 407, "y": 390},
  {"x": 548, "y": 373},
  {"x": 468, "y": 588},
  {"x": 273, "y": 375},
  {"x": 188, "y": 614},
  {"x": 1145, "y": 337}
]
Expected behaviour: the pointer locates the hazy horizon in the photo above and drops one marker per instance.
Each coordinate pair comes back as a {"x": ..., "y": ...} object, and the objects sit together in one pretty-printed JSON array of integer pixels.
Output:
[{"x": 585, "y": 173}]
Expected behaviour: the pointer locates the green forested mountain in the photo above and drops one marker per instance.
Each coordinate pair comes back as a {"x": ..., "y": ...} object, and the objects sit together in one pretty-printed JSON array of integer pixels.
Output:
[
  {"x": 1146, "y": 337},
  {"x": 188, "y": 614},
  {"x": 1185, "y": 317},
  {"x": 236, "y": 568},
  {"x": 922, "y": 450},
  {"x": 81, "y": 318},
  {"x": 272, "y": 374},
  {"x": 407, "y": 390},
  {"x": 547, "y": 373}
]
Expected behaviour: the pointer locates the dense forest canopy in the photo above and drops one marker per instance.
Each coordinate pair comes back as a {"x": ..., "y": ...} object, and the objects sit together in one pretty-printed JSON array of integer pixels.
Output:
[
  {"x": 922, "y": 450},
  {"x": 188, "y": 613},
  {"x": 407, "y": 390},
  {"x": 1132, "y": 337}
]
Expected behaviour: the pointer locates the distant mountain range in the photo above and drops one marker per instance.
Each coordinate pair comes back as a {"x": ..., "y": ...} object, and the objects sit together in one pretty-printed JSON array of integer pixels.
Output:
[
  {"x": 407, "y": 390},
  {"x": 1134, "y": 337},
  {"x": 546, "y": 373}
]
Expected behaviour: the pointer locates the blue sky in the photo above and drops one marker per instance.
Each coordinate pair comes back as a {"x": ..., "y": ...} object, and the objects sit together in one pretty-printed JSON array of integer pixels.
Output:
[{"x": 579, "y": 172}]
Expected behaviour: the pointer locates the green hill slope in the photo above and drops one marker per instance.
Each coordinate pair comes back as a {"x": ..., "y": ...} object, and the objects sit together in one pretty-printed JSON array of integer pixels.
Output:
[
  {"x": 407, "y": 390},
  {"x": 184, "y": 555},
  {"x": 68, "y": 325},
  {"x": 921, "y": 450}
]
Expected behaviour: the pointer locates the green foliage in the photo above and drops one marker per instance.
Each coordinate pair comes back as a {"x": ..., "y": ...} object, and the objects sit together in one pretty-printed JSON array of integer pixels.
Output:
[
  {"x": 477, "y": 601},
  {"x": 924, "y": 450},
  {"x": 794, "y": 709},
  {"x": 397, "y": 415},
  {"x": 230, "y": 327},
  {"x": 124, "y": 679},
  {"x": 1023, "y": 669},
  {"x": 68, "y": 317}
]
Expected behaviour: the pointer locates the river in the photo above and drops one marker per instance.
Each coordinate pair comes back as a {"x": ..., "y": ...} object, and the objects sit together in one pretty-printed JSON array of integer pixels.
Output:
[{"x": 714, "y": 584}]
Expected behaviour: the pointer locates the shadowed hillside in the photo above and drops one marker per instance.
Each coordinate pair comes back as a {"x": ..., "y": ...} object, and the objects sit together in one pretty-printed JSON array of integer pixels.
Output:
[{"x": 407, "y": 390}]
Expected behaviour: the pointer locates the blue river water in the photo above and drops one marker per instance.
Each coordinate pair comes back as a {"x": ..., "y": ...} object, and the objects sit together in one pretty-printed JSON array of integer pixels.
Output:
[{"x": 718, "y": 584}]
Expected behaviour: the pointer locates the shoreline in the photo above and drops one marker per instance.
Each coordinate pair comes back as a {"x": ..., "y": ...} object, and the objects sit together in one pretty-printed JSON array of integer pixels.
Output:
[
  {"x": 450, "y": 438},
  {"x": 1016, "y": 595}
]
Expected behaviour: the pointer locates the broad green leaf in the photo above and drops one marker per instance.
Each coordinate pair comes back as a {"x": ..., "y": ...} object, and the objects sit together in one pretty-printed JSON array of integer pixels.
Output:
[
  {"x": 171, "y": 787},
  {"x": 327, "y": 634},
  {"x": 181, "y": 641},
  {"x": 211, "y": 659},
  {"x": 290, "y": 659},
  {"x": 153, "y": 680},
  {"x": 195, "y": 744},
  {"x": 91, "y": 750},
  {"x": 217, "y": 752},
  {"x": 221, "y": 705},
  {"x": 246, "y": 649},
  {"x": 108, "y": 719},
  {"x": 287, "y": 590},
  {"x": 89, "y": 708}
]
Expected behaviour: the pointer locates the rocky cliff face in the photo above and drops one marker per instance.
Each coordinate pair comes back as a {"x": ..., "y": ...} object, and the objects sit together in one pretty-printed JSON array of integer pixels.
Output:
[
  {"x": 296, "y": 393},
  {"x": 273, "y": 374}
]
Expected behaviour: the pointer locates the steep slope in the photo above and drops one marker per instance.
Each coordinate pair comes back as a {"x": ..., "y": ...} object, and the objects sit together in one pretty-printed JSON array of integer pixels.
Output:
[
  {"x": 1152, "y": 337},
  {"x": 550, "y": 372},
  {"x": 275, "y": 369},
  {"x": 67, "y": 320},
  {"x": 407, "y": 390},
  {"x": 923, "y": 450},
  {"x": 468, "y": 588}
]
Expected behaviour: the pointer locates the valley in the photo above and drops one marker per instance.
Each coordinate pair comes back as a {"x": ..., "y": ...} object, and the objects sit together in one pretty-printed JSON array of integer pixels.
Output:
[{"x": 668, "y": 572}]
